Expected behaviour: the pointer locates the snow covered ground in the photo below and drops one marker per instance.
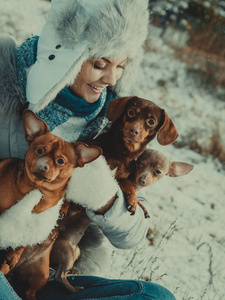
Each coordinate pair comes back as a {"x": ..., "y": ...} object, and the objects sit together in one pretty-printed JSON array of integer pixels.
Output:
[{"x": 187, "y": 213}]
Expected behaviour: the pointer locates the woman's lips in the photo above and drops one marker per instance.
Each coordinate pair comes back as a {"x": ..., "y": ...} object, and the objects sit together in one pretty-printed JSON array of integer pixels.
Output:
[{"x": 96, "y": 89}]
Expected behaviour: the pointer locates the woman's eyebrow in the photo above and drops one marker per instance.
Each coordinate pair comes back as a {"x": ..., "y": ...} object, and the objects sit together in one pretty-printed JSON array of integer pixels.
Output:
[
  {"x": 108, "y": 61},
  {"x": 105, "y": 59}
]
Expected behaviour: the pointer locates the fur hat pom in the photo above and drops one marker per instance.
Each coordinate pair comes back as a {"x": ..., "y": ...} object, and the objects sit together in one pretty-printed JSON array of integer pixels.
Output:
[{"x": 70, "y": 21}]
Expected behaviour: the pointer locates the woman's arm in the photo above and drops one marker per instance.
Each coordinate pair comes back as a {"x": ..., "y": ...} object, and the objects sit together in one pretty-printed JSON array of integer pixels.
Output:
[
  {"x": 122, "y": 230},
  {"x": 94, "y": 187}
]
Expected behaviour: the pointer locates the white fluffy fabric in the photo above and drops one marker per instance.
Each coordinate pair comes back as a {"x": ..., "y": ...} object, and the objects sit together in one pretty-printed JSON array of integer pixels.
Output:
[
  {"x": 20, "y": 227},
  {"x": 93, "y": 185}
]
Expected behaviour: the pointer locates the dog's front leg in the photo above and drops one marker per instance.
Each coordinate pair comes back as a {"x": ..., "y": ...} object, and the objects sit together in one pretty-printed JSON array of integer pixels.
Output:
[
  {"x": 11, "y": 259},
  {"x": 131, "y": 198}
]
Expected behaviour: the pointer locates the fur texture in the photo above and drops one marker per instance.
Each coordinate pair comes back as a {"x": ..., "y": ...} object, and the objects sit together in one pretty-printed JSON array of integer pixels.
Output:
[
  {"x": 11, "y": 99},
  {"x": 29, "y": 228},
  {"x": 102, "y": 188}
]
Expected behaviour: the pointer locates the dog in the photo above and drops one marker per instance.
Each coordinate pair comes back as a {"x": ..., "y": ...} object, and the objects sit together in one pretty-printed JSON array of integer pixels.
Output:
[
  {"x": 31, "y": 273},
  {"x": 135, "y": 123},
  {"x": 153, "y": 165},
  {"x": 65, "y": 250},
  {"x": 48, "y": 166}
]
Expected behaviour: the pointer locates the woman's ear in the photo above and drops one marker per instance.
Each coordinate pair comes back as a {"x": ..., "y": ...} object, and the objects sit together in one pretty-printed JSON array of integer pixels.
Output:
[
  {"x": 116, "y": 108},
  {"x": 167, "y": 133}
]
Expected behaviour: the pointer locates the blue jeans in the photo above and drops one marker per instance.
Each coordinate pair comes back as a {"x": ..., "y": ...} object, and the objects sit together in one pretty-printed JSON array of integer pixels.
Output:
[
  {"x": 102, "y": 288},
  {"x": 94, "y": 288}
]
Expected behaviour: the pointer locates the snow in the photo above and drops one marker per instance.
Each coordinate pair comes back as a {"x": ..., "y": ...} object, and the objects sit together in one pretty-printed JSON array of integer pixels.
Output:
[{"x": 187, "y": 213}]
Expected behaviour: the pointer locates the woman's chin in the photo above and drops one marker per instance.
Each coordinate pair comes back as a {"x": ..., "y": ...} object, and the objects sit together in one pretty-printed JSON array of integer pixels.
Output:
[{"x": 91, "y": 98}]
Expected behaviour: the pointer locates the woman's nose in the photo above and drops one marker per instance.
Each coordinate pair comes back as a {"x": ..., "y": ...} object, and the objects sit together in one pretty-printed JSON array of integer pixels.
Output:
[{"x": 110, "y": 78}]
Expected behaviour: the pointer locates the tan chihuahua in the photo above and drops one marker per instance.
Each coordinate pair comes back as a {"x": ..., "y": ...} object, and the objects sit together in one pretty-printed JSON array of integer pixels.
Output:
[
  {"x": 152, "y": 166},
  {"x": 48, "y": 166}
]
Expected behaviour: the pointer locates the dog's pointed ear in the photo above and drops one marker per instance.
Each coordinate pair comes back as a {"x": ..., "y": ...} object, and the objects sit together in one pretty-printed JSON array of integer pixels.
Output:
[
  {"x": 179, "y": 169},
  {"x": 167, "y": 133},
  {"x": 33, "y": 126},
  {"x": 86, "y": 154},
  {"x": 116, "y": 108}
]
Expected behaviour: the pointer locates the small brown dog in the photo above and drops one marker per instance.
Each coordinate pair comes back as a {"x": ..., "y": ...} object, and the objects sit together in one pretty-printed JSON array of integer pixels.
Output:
[
  {"x": 136, "y": 122},
  {"x": 152, "y": 166},
  {"x": 31, "y": 273},
  {"x": 65, "y": 250},
  {"x": 48, "y": 166}
]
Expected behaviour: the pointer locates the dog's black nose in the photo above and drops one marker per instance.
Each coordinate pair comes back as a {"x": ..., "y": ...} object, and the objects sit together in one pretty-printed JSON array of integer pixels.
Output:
[
  {"x": 134, "y": 131},
  {"x": 43, "y": 167},
  {"x": 142, "y": 180}
]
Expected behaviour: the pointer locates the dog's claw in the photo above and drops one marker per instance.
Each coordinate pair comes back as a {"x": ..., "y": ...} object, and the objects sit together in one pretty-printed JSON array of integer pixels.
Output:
[
  {"x": 147, "y": 215},
  {"x": 129, "y": 207},
  {"x": 133, "y": 213}
]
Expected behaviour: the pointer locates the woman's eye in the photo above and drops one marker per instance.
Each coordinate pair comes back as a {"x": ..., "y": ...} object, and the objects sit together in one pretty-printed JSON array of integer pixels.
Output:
[
  {"x": 151, "y": 122},
  {"x": 131, "y": 113},
  {"x": 60, "y": 161},
  {"x": 39, "y": 151},
  {"x": 98, "y": 67},
  {"x": 121, "y": 67}
]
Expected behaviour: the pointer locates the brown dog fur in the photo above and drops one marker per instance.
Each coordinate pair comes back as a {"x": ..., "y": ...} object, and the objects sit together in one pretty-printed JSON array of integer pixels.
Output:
[
  {"x": 136, "y": 122},
  {"x": 124, "y": 142},
  {"x": 153, "y": 165},
  {"x": 65, "y": 250},
  {"x": 48, "y": 165}
]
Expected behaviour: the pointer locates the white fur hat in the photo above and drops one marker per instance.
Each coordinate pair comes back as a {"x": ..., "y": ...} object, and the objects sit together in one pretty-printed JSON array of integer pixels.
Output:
[{"x": 77, "y": 30}]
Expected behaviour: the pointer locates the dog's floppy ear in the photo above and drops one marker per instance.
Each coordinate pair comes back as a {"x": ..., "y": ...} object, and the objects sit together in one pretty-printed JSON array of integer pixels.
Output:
[
  {"x": 116, "y": 108},
  {"x": 179, "y": 169},
  {"x": 167, "y": 133},
  {"x": 33, "y": 126},
  {"x": 86, "y": 154}
]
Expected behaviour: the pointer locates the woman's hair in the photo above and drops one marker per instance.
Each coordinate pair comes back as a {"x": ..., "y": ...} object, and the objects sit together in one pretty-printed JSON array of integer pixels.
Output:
[{"x": 77, "y": 30}]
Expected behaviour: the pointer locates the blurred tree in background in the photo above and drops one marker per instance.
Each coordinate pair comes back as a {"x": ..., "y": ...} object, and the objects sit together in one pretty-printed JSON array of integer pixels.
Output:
[{"x": 196, "y": 30}]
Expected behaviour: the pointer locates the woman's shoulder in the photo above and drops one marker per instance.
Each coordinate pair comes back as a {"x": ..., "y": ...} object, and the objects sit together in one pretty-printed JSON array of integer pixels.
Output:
[{"x": 27, "y": 51}]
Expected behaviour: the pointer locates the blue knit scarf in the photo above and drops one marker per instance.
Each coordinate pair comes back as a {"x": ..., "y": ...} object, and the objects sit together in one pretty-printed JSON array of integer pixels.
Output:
[
  {"x": 78, "y": 106},
  {"x": 65, "y": 105}
]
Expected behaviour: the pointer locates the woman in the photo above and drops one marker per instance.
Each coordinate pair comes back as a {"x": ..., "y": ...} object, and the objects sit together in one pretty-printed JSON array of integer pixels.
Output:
[{"x": 86, "y": 55}]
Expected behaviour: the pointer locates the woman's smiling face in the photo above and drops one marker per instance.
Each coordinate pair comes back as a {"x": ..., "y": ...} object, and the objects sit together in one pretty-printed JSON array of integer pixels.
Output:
[{"x": 97, "y": 74}]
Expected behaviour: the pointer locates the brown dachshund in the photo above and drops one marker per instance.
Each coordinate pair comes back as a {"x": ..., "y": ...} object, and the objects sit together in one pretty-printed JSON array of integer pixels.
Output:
[{"x": 136, "y": 122}]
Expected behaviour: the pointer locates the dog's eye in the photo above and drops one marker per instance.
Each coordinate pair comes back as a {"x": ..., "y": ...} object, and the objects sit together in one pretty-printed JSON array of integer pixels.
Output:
[
  {"x": 151, "y": 122},
  {"x": 158, "y": 171},
  {"x": 141, "y": 164},
  {"x": 131, "y": 113},
  {"x": 39, "y": 151},
  {"x": 60, "y": 161}
]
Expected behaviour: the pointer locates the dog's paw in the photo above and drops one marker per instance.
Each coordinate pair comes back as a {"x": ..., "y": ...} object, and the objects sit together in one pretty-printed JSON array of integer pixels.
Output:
[{"x": 131, "y": 201}]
